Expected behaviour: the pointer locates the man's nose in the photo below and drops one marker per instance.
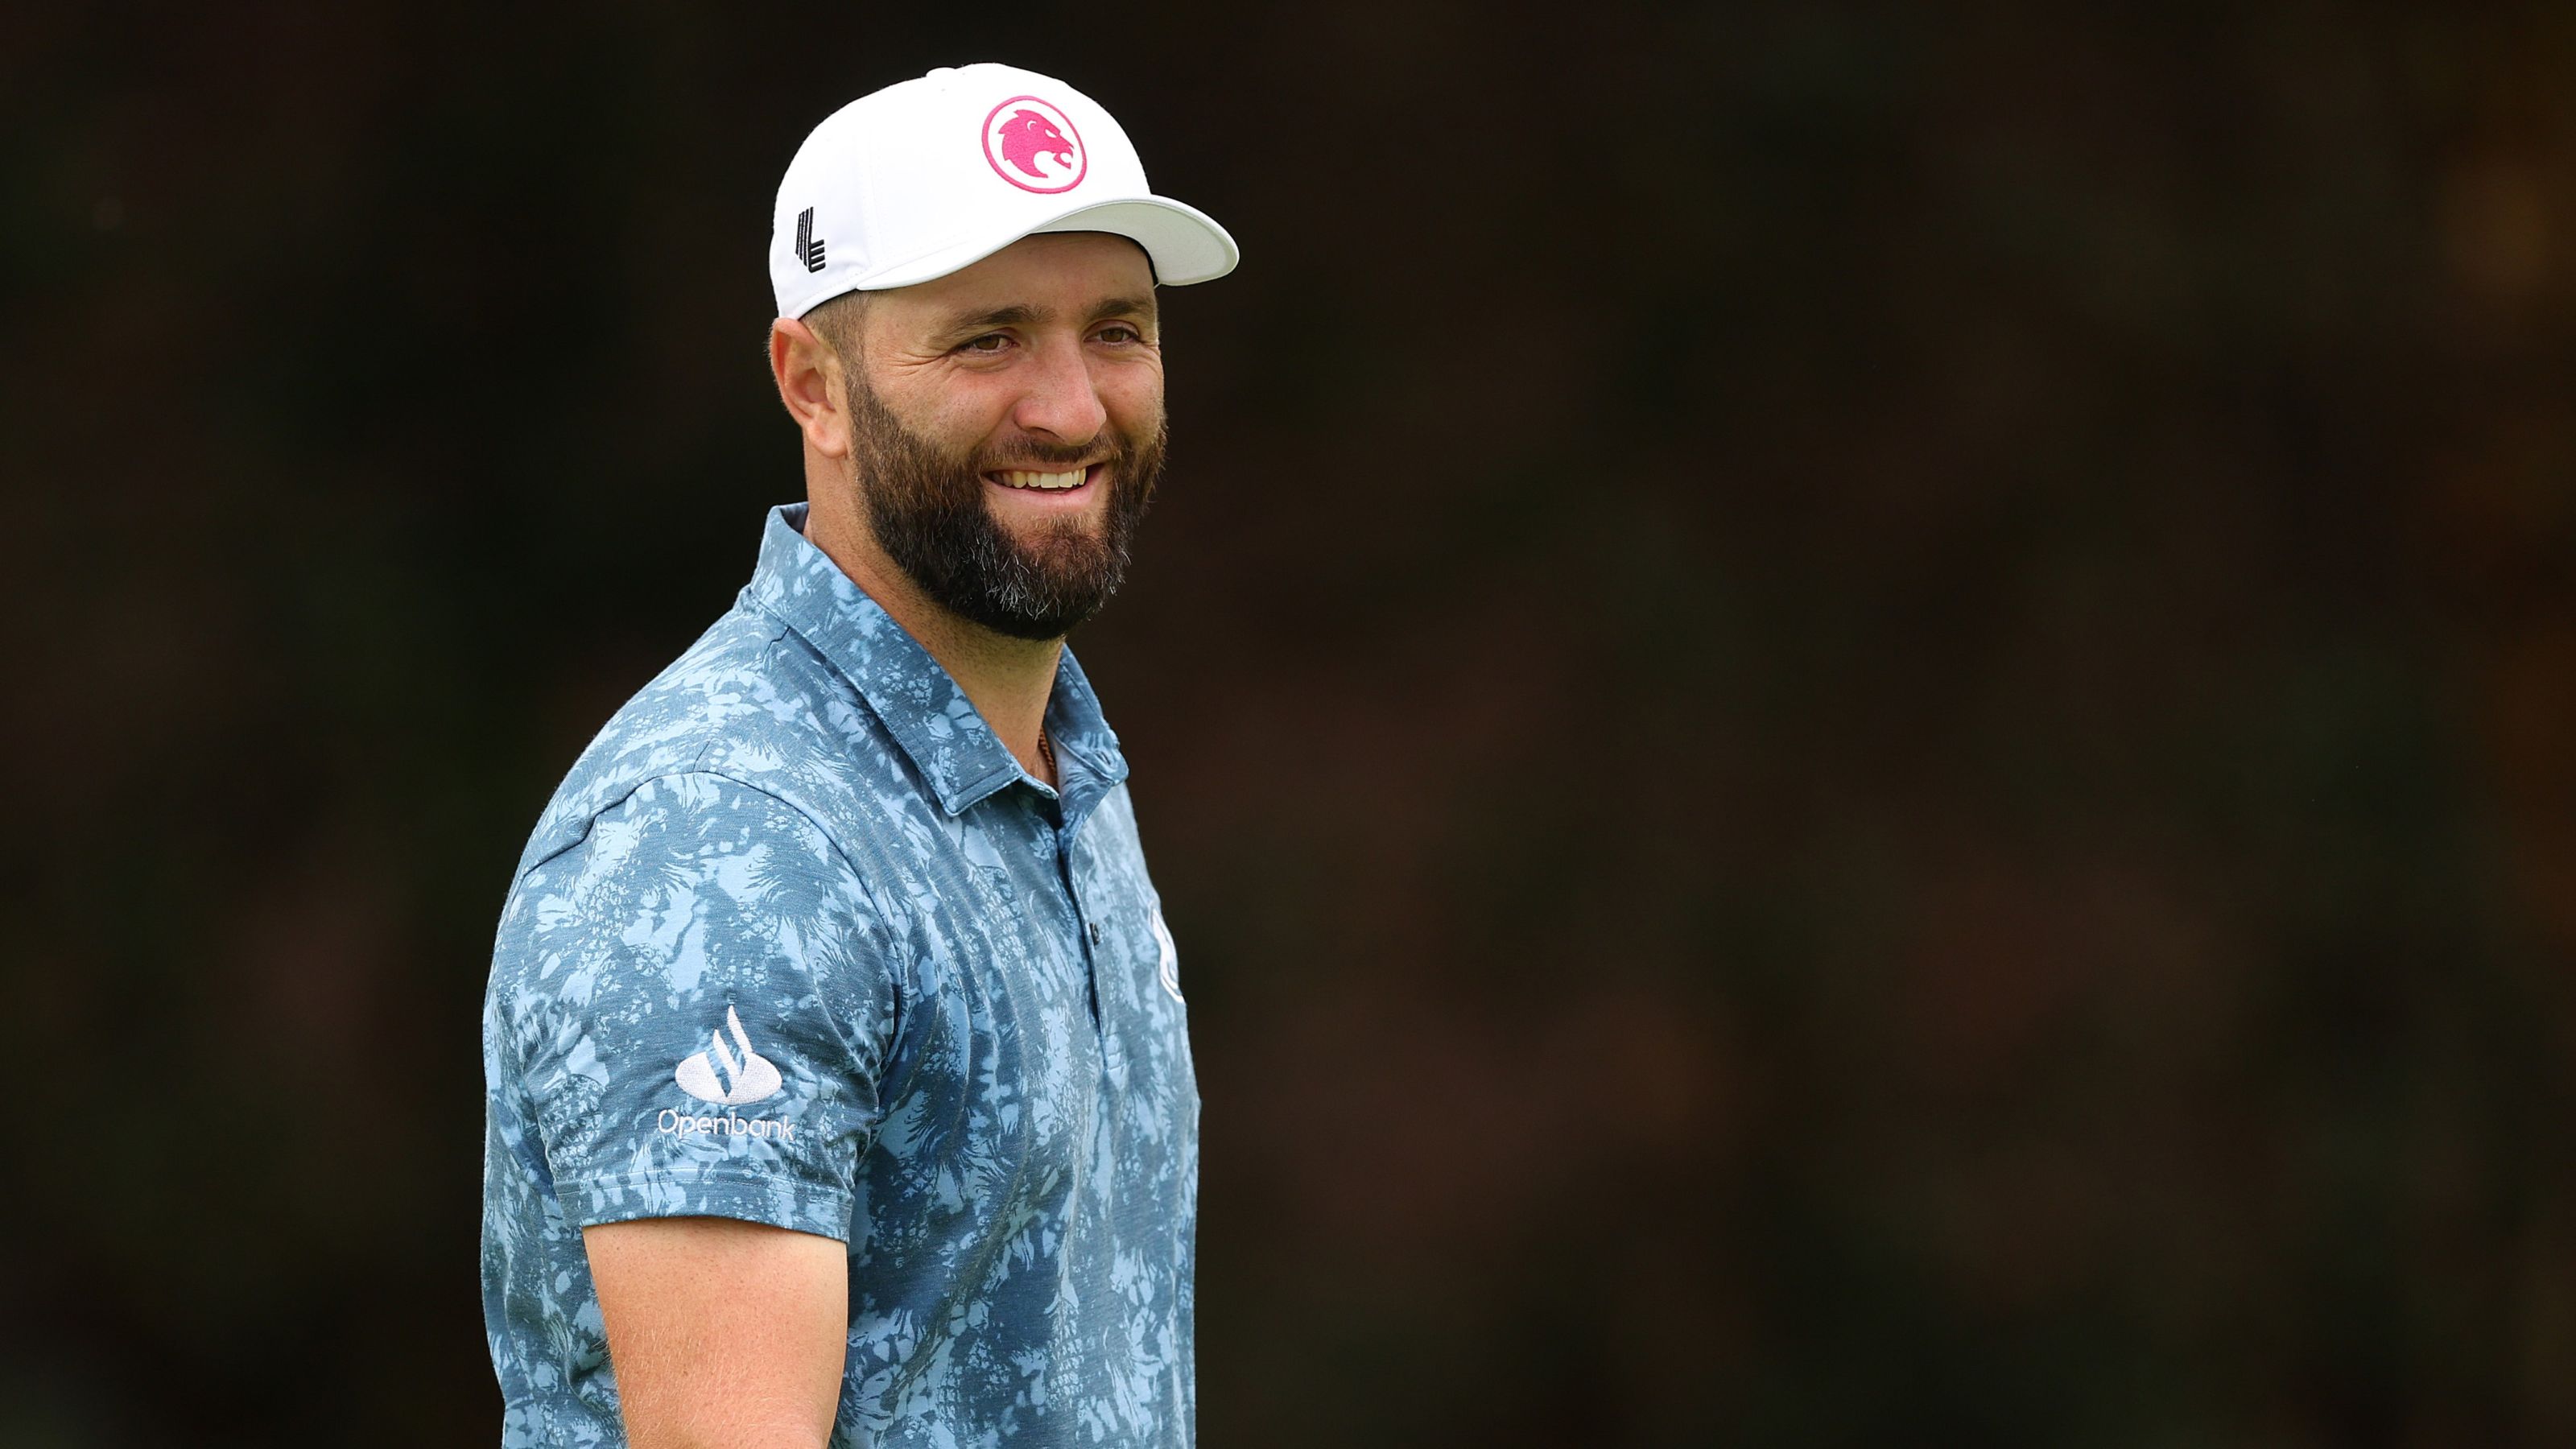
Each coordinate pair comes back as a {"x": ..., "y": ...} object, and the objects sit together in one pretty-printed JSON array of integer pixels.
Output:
[{"x": 1061, "y": 402}]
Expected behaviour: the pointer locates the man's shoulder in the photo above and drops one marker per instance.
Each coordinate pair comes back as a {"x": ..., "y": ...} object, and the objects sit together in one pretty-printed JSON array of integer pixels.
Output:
[{"x": 750, "y": 701}]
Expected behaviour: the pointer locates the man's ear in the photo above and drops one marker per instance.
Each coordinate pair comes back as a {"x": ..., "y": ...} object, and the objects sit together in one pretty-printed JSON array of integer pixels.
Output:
[{"x": 810, "y": 383}]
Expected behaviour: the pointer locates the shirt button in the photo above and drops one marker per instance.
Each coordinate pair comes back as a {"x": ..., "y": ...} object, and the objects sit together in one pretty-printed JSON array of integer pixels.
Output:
[{"x": 1095, "y": 933}]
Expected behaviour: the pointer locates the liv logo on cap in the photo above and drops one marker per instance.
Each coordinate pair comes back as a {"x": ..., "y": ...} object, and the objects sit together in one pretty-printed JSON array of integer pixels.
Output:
[
  {"x": 809, "y": 247},
  {"x": 1032, "y": 144}
]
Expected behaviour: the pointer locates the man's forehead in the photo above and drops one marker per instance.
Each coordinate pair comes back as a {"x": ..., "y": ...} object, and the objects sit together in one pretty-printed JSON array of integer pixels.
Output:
[{"x": 1041, "y": 276}]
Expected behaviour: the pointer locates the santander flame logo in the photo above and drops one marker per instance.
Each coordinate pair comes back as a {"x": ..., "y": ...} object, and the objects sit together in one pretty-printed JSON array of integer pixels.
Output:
[
  {"x": 725, "y": 1077},
  {"x": 1032, "y": 144}
]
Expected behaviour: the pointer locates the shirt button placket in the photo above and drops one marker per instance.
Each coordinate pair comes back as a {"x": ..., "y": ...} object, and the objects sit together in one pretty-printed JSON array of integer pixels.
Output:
[
  {"x": 1112, "y": 1043},
  {"x": 1088, "y": 929}
]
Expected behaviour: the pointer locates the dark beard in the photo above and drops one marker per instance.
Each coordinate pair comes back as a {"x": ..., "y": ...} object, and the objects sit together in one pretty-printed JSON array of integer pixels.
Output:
[{"x": 928, "y": 512}]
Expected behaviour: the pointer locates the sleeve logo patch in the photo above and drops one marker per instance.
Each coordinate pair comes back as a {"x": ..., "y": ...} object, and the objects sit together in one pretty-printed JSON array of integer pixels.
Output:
[{"x": 729, "y": 1078}]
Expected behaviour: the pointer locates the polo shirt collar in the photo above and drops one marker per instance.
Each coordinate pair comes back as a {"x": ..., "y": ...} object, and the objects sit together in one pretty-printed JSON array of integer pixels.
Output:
[{"x": 911, "y": 693}]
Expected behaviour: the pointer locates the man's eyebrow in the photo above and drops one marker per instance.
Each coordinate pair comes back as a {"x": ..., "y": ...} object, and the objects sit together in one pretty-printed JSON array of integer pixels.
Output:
[
  {"x": 1021, "y": 314},
  {"x": 1018, "y": 314}
]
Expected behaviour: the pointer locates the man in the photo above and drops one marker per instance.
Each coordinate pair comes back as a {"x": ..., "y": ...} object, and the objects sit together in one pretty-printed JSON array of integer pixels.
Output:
[{"x": 838, "y": 1077}]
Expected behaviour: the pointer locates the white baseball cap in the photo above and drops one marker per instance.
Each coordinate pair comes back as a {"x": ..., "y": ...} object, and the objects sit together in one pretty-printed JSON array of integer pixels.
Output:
[{"x": 927, "y": 176}]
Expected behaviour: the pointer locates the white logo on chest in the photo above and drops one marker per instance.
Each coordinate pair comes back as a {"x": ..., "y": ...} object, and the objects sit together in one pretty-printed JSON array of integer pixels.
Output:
[{"x": 1170, "y": 971}]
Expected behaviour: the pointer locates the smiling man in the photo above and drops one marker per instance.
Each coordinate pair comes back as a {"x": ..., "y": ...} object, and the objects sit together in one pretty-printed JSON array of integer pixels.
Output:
[{"x": 838, "y": 1080}]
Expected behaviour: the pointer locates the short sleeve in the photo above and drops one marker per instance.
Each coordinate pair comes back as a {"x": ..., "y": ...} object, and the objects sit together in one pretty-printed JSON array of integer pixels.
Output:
[{"x": 697, "y": 1005}]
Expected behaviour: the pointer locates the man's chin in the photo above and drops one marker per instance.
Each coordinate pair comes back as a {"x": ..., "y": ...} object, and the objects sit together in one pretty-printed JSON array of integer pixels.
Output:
[{"x": 1071, "y": 541}]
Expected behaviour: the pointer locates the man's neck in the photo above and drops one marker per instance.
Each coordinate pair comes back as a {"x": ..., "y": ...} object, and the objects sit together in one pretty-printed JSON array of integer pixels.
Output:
[{"x": 1008, "y": 680}]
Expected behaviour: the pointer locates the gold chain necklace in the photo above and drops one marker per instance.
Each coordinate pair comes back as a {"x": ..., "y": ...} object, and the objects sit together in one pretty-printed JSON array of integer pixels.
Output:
[{"x": 1046, "y": 751}]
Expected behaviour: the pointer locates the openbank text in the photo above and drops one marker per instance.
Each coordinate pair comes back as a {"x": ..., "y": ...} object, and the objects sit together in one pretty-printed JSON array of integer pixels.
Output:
[{"x": 727, "y": 1125}]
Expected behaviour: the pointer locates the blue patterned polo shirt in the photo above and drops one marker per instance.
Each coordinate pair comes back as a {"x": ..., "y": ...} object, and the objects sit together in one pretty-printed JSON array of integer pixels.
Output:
[{"x": 799, "y": 942}]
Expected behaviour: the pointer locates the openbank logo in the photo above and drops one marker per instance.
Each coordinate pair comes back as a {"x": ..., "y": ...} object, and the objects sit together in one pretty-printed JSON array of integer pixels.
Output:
[
  {"x": 729, "y": 1077},
  {"x": 720, "y": 1076},
  {"x": 680, "y": 1124}
]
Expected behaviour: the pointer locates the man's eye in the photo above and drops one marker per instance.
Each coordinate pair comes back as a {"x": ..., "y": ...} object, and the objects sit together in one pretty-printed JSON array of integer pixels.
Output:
[
  {"x": 1121, "y": 333},
  {"x": 989, "y": 343}
]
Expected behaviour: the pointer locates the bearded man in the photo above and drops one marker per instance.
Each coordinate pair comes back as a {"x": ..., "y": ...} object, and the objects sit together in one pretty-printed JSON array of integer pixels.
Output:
[{"x": 838, "y": 1079}]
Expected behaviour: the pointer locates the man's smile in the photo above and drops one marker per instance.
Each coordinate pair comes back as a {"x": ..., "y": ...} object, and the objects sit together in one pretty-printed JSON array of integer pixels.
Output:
[{"x": 1067, "y": 489}]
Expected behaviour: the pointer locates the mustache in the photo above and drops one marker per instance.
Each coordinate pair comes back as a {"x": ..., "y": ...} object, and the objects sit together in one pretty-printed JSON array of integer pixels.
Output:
[
  {"x": 1111, "y": 446},
  {"x": 1035, "y": 456}
]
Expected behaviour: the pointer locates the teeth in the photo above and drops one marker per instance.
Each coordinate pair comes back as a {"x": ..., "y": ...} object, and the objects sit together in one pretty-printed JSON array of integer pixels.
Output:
[{"x": 1018, "y": 478}]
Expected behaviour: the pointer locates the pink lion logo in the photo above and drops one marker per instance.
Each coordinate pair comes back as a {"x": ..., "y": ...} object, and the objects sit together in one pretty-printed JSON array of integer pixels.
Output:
[
  {"x": 1021, "y": 130},
  {"x": 1028, "y": 135}
]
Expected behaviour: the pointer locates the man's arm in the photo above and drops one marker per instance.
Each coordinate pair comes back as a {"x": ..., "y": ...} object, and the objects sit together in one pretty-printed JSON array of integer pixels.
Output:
[
  {"x": 722, "y": 1333},
  {"x": 705, "y": 947}
]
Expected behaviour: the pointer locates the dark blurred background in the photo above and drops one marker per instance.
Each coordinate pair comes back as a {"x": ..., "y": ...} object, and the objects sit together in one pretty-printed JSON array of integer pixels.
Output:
[{"x": 1861, "y": 723}]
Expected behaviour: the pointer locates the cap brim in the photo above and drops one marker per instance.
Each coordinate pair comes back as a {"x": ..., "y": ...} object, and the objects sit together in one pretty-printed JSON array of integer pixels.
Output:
[{"x": 1186, "y": 244}]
